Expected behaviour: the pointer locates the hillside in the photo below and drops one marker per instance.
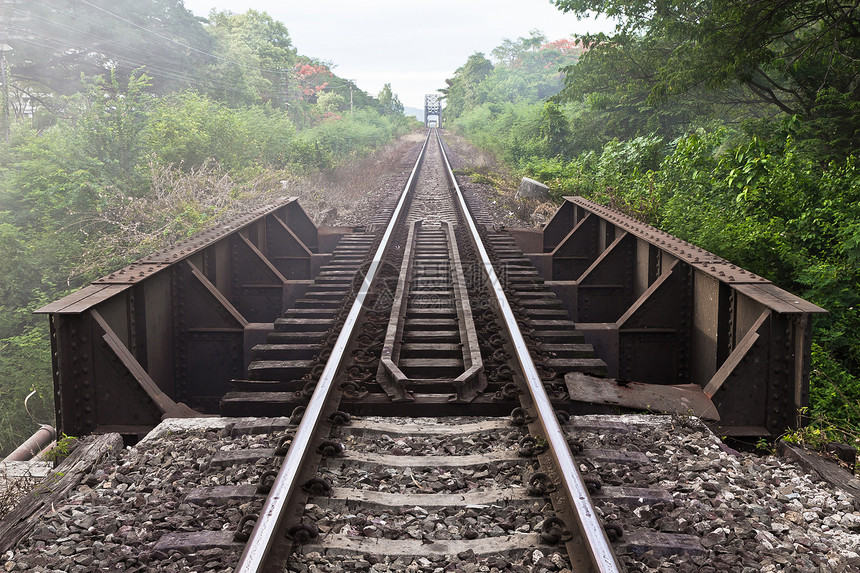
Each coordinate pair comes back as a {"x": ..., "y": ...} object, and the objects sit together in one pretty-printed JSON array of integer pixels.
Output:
[
  {"x": 770, "y": 183},
  {"x": 133, "y": 127}
]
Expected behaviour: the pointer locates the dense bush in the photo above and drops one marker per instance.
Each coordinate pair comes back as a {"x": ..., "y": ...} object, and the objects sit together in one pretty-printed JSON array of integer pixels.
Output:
[
  {"x": 126, "y": 165},
  {"x": 767, "y": 192},
  {"x": 770, "y": 206}
]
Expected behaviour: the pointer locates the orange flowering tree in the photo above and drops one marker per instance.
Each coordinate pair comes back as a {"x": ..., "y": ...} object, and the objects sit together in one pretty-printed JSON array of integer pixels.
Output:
[{"x": 312, "y": 79}]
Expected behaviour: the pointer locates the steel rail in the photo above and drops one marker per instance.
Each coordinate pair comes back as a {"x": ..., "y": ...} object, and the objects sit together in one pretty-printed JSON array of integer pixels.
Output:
[
  {"x": 262, "y": 539},
  {"x": 601, "y": 556}
]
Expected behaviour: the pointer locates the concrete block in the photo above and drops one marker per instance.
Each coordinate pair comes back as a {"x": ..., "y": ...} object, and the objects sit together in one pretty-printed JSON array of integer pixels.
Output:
[{"x": 531, "y": 189}]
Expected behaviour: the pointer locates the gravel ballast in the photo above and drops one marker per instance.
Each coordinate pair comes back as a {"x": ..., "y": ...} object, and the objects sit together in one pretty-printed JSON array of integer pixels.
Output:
[
  {"x": 752, "y": 513},
  {"x": 112, "y": 521}
]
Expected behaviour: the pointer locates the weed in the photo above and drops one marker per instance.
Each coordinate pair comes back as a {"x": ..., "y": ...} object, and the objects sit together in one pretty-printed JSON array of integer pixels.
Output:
[
  {"x": 821, "y": 431},
  {"x": 61, "y": 451},
  {"x": 14, "y": 488},
  {"x": 765, "y": 446}
]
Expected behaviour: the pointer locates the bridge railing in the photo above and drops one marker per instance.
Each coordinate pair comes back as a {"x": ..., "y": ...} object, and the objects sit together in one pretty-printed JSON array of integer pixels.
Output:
[
  {"x": 172, "y": 328},
  {"x": 660, "y": 310}
]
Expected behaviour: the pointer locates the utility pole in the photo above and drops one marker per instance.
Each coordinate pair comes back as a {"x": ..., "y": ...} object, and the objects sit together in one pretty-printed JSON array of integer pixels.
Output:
[
  {"x": 351, "y": 109},
  {"x": 12, "y": 28},
  {"x": 4, "y": 78}
]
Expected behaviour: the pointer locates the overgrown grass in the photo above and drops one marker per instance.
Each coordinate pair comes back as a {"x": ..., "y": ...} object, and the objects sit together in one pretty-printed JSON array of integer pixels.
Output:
[
  {"x": 13, "y": 490},
  {"x": 771, "y": 205},
  {"x": 131, "y": 173}
]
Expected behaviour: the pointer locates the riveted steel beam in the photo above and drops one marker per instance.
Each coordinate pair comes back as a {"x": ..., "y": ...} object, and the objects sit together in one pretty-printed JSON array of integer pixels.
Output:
[
  {"x": 172, "y": 325},
  {"x": 685, "y": 316}
]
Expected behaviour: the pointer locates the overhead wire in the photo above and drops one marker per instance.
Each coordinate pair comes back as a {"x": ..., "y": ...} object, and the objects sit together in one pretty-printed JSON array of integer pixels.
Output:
[
  {"x": 155, "y": 68},
  {"x": 77, "y": 31},
  {"x": 177, "y": 42},
  {"x": 182, "y": 74},
  {"x": 343, "y": 83},
  {"x": 144, "y": 58}
]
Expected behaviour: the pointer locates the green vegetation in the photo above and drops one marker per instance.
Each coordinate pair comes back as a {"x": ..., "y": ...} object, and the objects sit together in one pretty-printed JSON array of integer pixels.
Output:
[
  {"x": 134, "y": 126},
  {"x": 65, "y": 445},
  {"x": 730, "y": 124}
]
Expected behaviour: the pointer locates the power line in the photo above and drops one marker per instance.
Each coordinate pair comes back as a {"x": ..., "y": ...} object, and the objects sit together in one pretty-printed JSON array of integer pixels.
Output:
[
  {"x": 76, "y": 31},
  {"x": 177, "y": 42},
  {"x": 177, "y": 74},
  {"x": 145, "y": 58},
  {"x": 173, "y": 74}
]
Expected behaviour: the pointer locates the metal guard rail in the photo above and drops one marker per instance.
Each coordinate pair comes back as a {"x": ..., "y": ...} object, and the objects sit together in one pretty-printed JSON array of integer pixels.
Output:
[
  {"x": 600, "y": 553},
  {"x": 262, "y": 538}
]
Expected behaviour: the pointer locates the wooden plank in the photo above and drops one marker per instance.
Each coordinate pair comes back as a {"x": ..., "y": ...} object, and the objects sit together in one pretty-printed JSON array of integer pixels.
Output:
[
  {"x": 777, "y": 299},
  {"x": 598, "y": 424},
  {"x": 431, "y": 323},
  {"x": 260, "y": 426},
  {"x": 432, "y": 363},
  {"x": 682, "y": 399},
  {"x": 663, "y": 544},
  {"x": 222, "y": 494},
  {"x": 614, "y": 456},
  {"x": 341, "y": 497},
  {"x": 427, "y": 347},
  {"x": 279, "y": 370},
  {"x": 632, "y": 497},
  {"x": 193, "y": 541},
  {"x": 336, "y": 544},
  {"x": 594, "y": 365},
  {"x": 830, "y": 471},
  {"x": 302, "y": 324},
  {"x": 68, "y": 475},
  {"x": 226, "y": 458},
  {"x": 361, "y": 427},
  {"x": 393, "y": 461},
  {"x": 242, "y": 403},
  {"x": 83, "y": 299}
]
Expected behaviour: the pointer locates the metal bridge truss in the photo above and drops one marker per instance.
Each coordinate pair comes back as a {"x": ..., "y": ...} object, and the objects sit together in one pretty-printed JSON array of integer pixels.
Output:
[
  {"x": 432, "y": 107},
  {"x": 177, "y": 326},
  {"x": 662, "y": 311}
]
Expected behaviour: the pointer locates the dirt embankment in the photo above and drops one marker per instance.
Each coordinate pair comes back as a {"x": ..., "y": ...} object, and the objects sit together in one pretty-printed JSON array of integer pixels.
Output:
[{"x": 351, "y": 194}]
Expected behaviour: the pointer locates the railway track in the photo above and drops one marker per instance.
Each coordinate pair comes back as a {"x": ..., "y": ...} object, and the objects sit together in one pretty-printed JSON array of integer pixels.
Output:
[
  {"x": 410, "y": 409},
  {"x": 411, "y": 336}
]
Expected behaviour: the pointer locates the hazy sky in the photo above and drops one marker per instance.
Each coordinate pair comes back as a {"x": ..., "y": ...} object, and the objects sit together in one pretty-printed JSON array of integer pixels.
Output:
[{"x": 412, "y": 45}]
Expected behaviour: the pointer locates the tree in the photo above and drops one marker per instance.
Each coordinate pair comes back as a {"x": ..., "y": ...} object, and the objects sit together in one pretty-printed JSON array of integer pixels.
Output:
[
  {"x": 57, "y": 41},
  {"x": 389, "y": 102},
  {"x": 554, "y": 129},
  {"x": 462, "y": 91},
  {"x": 799, "y": 56},
  {"x": 330, "y": 103},
  {"x": 110, "y": 131},
  {"x": 614, "y": 81},
  {"x": 312, "y": 77},
  {"x": 510, "y": 51},
  {"x": 255, "y": 58}
]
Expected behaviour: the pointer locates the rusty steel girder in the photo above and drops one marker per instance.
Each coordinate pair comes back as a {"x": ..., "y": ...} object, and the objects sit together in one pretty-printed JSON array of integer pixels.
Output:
[
  {"x": 172, "y": 329},
  {"x": 660, "y": 310}
]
